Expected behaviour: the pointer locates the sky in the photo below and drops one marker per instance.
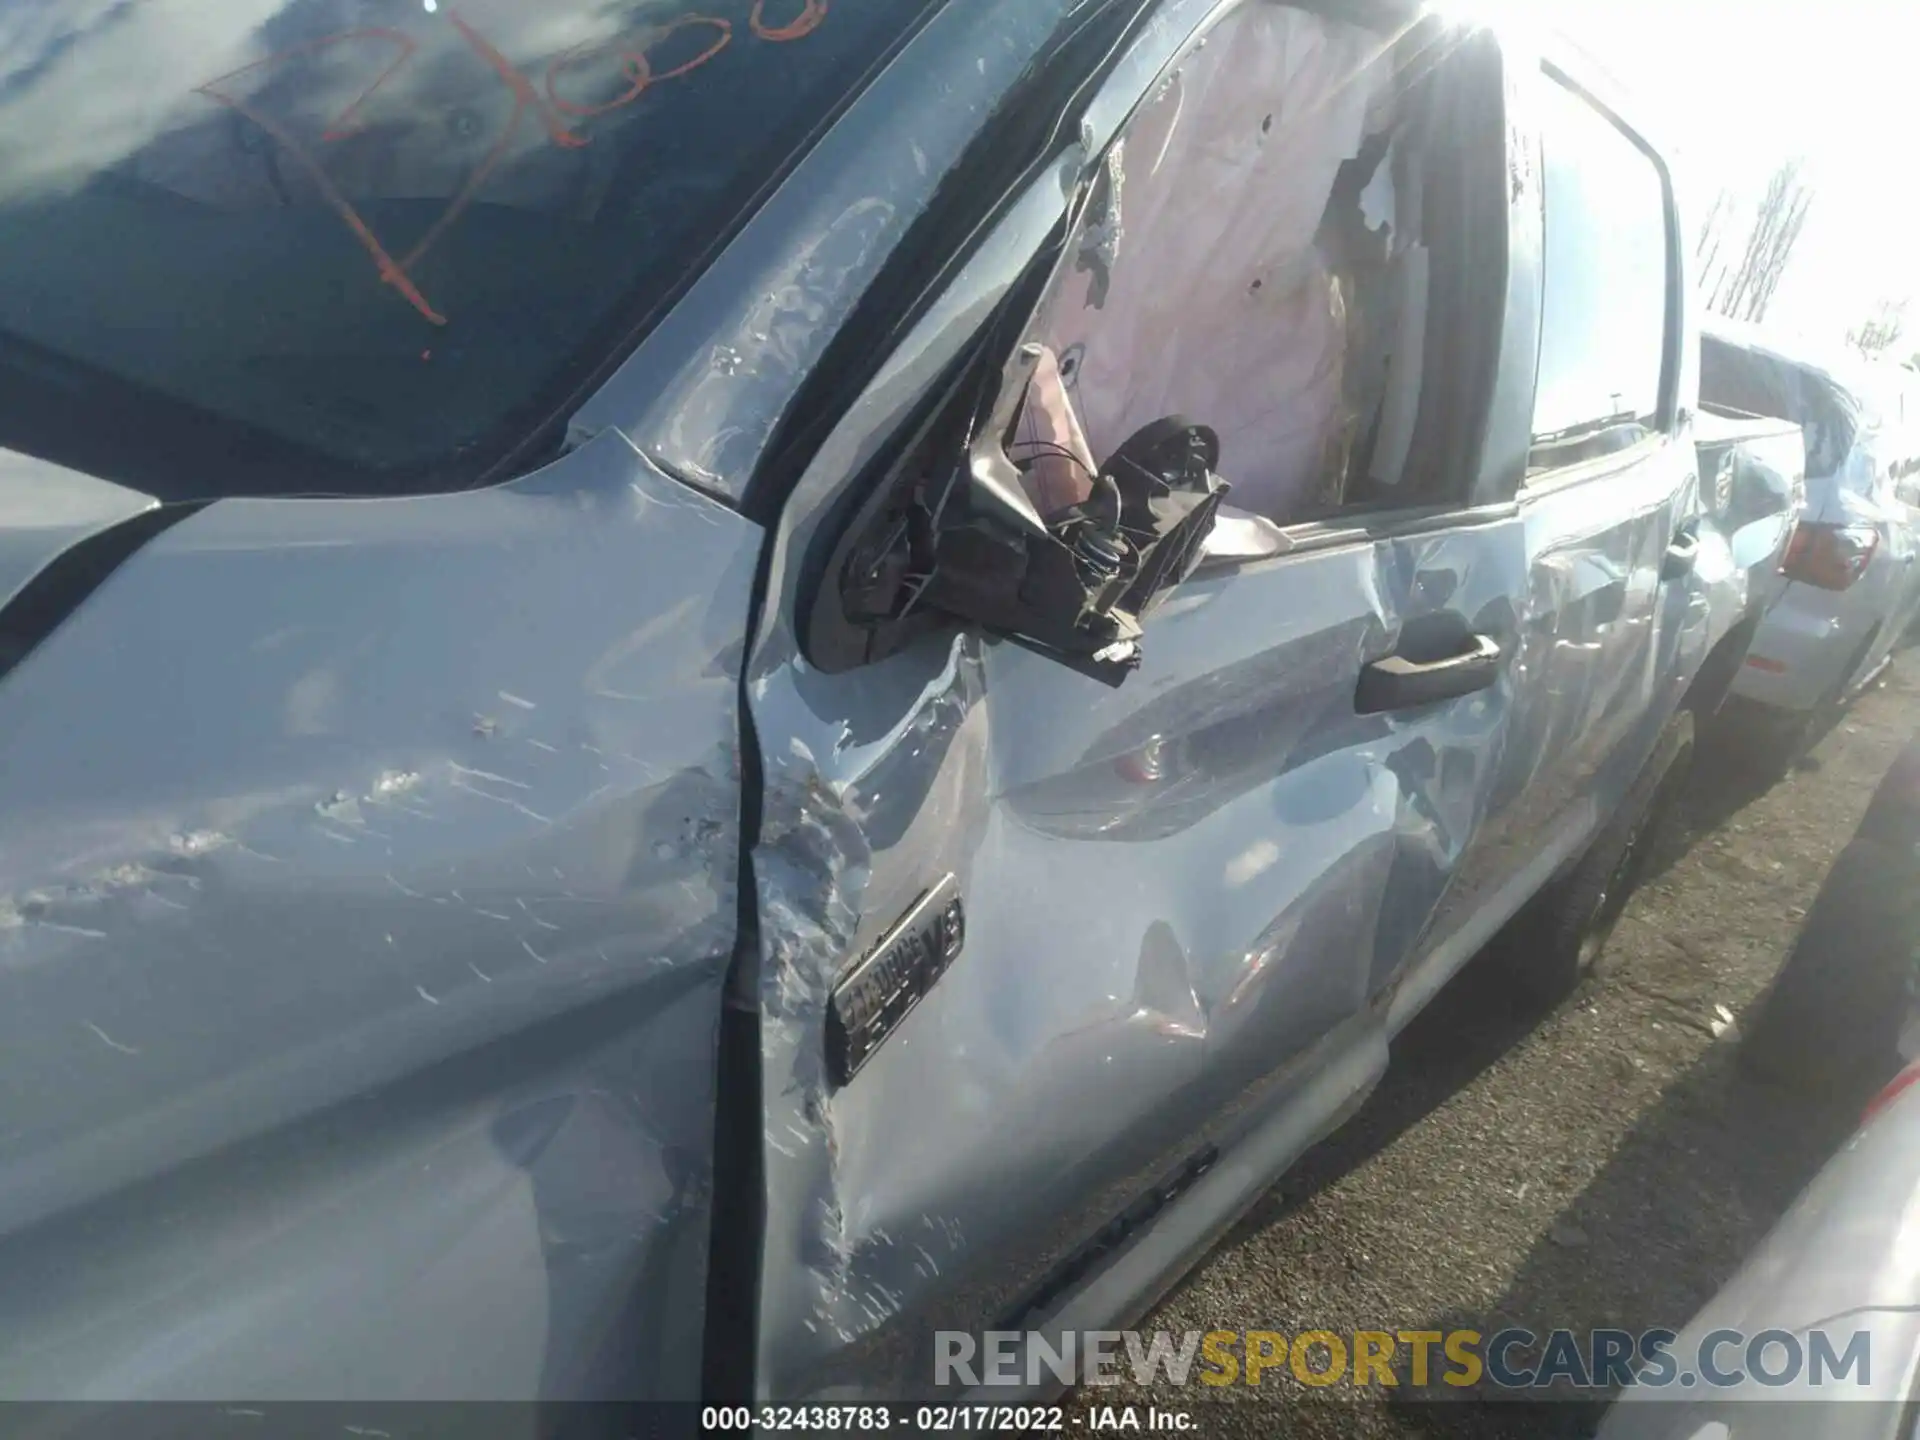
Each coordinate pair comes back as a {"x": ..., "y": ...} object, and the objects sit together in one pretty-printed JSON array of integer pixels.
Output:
[{"x": 1735, "y": 88}]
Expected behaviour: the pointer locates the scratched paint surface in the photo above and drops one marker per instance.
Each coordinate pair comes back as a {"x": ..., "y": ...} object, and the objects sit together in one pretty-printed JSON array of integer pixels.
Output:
[
  {"x": 309, "y": 798},
  {"x": 248, "y": 906}
]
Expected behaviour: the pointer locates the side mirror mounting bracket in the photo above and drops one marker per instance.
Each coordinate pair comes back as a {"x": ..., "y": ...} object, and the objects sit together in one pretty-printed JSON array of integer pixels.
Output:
[{"x": 1076, "y": 586}]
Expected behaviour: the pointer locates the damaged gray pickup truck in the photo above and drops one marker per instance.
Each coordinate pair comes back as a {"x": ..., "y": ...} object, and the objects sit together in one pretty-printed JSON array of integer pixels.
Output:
[{"x": 684, "y": 698}]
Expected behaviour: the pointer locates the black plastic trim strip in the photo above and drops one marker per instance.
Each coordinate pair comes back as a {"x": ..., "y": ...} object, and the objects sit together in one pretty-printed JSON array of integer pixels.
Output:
[
  {"x": 730, "y": 1328},
  {"x": 43, "y": 604}
]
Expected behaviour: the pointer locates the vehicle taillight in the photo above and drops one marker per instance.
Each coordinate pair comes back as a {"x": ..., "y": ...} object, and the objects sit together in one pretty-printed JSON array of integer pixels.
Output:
[
  {"x": 1898, "y": 1086},
  {"x": 1832, "y": 557}
]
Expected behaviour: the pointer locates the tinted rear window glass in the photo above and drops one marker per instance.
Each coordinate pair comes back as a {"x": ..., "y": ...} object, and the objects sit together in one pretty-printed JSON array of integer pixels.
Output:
[
  {"x": 342, "y": 245},
  {"x": 1603, "y": 333}
]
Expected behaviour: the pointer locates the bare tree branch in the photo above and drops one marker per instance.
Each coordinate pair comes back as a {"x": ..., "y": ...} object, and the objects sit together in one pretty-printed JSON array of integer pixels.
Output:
[
  {"x": 1744, "y": 290},
  {"x": 1713, "y": 234},
  {"x": 1878, "y": 335}
]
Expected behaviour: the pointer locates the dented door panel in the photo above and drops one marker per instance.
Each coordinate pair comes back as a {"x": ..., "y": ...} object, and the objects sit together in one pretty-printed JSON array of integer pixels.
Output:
[
  {"x": 1172, "y": 891},
  {"x": 1607, "y": 647},
  {"x": 1604, "y": 653},
  {"x": 1598, "y": 547},
  {"x": 367, "y": 882}
]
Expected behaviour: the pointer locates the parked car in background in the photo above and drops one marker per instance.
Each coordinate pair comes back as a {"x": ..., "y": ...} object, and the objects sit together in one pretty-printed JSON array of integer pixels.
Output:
[
  {"x": 1753, "y": 493},
  {"x": 1839, "y": 1274},
  {"x": 1854, "y": 586},
  {"x": 641, "y": 739}
]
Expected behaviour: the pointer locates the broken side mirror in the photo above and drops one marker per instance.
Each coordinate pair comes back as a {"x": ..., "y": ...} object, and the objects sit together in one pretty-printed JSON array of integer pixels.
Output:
[{"x": 951, "y": 535}]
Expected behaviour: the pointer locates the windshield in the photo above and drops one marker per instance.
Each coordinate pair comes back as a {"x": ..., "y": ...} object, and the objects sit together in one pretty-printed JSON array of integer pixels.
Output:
[
  {"x": 274, "y": 246},
  {"x": 1735, "y": 378}
]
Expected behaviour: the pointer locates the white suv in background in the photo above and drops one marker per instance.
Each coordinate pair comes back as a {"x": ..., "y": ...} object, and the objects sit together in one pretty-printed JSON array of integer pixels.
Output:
[{"x": 1851, "y": 559}]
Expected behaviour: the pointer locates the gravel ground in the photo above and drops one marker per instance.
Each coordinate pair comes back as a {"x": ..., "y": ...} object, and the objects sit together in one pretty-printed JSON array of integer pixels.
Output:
[{"x": 1600, "y": 1165}]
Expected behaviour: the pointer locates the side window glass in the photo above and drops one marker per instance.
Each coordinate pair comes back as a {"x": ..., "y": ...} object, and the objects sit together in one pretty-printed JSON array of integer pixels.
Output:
[
  {"x": 1604, "y": 320},
  {"x": 1254, "y": 259}
]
